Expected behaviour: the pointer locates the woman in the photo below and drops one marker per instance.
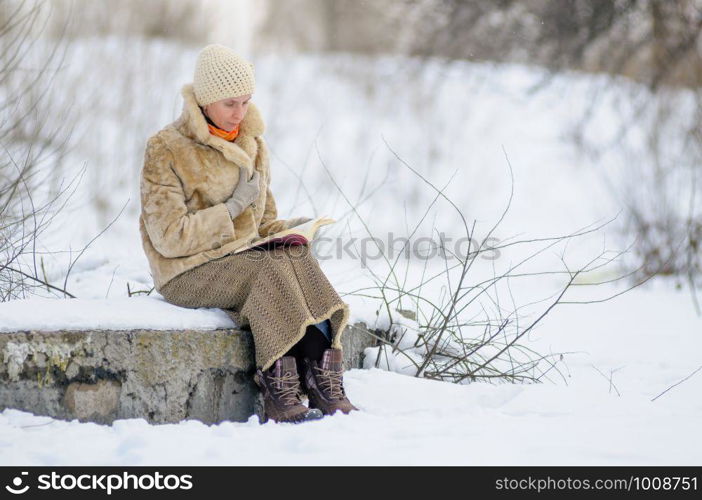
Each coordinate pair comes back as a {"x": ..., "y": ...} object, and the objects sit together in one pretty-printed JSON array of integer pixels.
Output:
[{"x": 205, "y": 191}]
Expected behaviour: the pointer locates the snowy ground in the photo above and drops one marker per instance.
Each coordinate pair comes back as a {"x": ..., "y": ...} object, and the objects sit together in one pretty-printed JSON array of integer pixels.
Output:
[
  {"x": 649, "y": 339},
  {"x": 622, "y": 353}
]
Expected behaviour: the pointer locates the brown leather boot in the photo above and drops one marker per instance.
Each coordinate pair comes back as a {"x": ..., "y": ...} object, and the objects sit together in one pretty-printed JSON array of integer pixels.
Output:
[
  {"x": 324, "y": 383},
  {"x": 280, "y": 386}
]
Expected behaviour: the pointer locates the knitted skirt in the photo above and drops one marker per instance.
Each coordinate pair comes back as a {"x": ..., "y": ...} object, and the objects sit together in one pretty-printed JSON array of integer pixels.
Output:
[{"x": 277, "y": 293}]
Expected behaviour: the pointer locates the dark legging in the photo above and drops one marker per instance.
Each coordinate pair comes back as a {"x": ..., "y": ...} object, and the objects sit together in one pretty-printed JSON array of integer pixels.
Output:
[{"x": 314, "y": 343}]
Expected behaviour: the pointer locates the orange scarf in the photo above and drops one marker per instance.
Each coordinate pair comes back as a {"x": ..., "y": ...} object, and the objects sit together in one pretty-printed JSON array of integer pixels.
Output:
[
  {"x": 214, "y": 130},
  {"x": 227, "y": 136}
]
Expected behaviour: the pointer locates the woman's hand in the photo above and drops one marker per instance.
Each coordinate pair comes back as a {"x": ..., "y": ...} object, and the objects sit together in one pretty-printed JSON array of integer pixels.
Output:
[
  {"x": 245, "y": 193},
  {"x": 297, "y": 221}
]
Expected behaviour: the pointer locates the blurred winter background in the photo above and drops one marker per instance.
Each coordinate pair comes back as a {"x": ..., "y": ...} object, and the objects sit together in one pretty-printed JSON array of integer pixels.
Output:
[{"x": 563, "y": 139}]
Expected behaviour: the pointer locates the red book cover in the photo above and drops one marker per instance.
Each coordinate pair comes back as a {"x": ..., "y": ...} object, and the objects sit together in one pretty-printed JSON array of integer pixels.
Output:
[{"x": 287, "y": 240}]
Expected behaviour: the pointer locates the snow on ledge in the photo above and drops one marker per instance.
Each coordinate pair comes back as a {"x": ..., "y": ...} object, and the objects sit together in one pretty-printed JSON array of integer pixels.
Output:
[{"x": 124, "y": 313}]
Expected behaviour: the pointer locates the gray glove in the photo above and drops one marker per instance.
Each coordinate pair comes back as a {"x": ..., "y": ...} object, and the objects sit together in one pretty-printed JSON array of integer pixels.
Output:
[
  {"x": 245, "y": 193},
  {"x": 297, "y": 221}
]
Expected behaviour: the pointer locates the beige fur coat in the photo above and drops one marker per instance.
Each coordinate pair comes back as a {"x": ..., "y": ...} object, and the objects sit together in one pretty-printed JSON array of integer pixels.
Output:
[{"x": 187, "y": 175}]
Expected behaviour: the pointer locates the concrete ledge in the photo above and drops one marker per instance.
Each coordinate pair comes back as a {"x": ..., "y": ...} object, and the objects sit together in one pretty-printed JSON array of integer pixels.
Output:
[{"x": 163, "y": 376}]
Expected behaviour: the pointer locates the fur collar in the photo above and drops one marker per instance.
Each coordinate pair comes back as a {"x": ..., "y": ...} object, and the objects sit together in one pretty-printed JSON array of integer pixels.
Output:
[{"x": 242, "y": 150}]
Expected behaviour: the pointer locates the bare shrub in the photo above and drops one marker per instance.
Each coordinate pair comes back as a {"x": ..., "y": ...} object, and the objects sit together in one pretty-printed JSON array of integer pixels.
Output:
[
  {"x": 34, "y": 136},
  {"x": 473, "y": 330}
]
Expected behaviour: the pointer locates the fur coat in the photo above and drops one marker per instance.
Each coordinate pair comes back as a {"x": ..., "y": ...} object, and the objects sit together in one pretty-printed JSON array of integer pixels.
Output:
[{"x": 187, "y": 175}]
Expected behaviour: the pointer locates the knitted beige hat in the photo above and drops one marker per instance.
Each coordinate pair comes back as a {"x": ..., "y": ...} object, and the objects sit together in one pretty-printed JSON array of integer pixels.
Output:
[{"x": 220, "y": 73}]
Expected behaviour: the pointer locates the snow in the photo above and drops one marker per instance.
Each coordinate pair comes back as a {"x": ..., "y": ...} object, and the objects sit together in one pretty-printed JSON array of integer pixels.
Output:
[
  {"x": 123, "y": 313},
  {"x": 618, "y": 355},
  {"x": 405, "y": 420}
]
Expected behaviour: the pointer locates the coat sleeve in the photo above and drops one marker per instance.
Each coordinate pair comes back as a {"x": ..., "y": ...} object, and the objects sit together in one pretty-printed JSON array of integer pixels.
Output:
[
  {"x": 269, "y": 222},
  {"x": 172, "y": 230}
]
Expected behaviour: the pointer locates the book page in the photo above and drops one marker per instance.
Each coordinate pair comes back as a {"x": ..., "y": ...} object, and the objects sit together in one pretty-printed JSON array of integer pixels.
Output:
[
  {"x": 307, "y": 226},
  {"x": 308, "y": 230}
]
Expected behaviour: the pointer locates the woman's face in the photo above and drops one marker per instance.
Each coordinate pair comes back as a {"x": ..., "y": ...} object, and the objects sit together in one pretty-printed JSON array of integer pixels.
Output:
[{"x": 229, "y": 112}]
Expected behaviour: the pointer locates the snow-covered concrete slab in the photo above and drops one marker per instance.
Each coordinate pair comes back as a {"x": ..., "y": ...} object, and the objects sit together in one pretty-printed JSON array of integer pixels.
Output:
[{"x": 122, "y": 313}]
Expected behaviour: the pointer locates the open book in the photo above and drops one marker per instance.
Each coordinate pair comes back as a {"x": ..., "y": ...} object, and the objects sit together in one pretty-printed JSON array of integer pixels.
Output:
[{"x": 298, "y": 235}]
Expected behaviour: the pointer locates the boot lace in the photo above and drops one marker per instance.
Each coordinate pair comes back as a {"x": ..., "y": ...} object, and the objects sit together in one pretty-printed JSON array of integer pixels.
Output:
[
  {"x": 287, "y": 387},
  {"x": 330, "y": 382}
]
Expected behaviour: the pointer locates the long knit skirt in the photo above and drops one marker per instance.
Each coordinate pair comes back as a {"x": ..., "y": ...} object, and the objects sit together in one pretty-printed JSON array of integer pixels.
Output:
[{"x": 277, "y": 293}]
